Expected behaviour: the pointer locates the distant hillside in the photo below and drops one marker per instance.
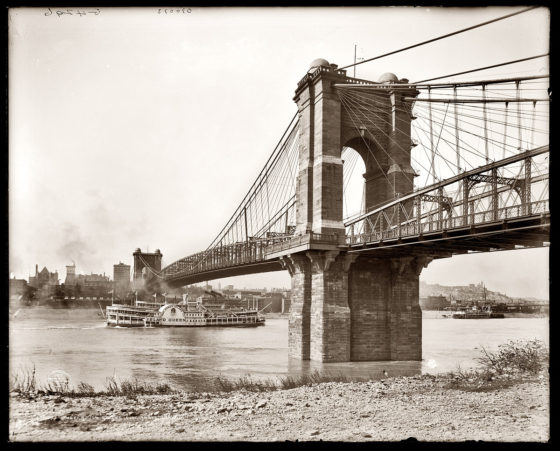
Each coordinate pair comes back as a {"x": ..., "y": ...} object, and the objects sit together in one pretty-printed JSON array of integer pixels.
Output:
[{"x": 471, "y": 292}]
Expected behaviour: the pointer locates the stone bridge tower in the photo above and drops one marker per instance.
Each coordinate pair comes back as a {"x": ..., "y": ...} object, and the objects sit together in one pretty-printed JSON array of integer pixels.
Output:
[
  {"x": 143, "y": 261},
  {"x": 344, "y": 306}
]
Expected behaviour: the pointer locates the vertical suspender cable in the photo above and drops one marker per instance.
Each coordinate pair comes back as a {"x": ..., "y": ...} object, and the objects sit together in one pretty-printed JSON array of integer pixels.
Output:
[
  {"x": 519, "y": 135},
  {"x": 457, "y": 151},
  {"x": 533, "y": 125},
  {"x": 246, "y": 231},
  {"x": 267, "y": 203},
  {"x": 505, "y": 130},
  {"x": 260, "y": 194},
  {"x": 363, "y": 206},
  {"x": 431, "y": 136},
  {"x": 251, "y": 218},
  {"x": 485, "y": 123}
]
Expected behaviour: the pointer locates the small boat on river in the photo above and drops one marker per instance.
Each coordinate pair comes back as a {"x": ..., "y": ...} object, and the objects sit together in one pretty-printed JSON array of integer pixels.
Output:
[
  {"x": 183, "y": 314},
  {"x": 484, "y": 312},
  {"x": 475, "y": 313}
]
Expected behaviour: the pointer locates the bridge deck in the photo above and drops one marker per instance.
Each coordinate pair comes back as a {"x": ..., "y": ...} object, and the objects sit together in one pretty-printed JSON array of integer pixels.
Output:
[
  {"x": 507, "y": 234},
  {"x": 472, "y": 222}
]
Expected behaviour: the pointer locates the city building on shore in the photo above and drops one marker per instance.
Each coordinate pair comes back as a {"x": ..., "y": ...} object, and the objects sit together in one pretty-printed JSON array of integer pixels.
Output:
[
  {"x": 70, "y": 275},
  {"x": 18, "y": 286},
  {"x": 121, "y": 279},
  {"x": 44, "y": 284},
  {"x": 43, "y": 278},
  {"x": 85, "y": 288}
]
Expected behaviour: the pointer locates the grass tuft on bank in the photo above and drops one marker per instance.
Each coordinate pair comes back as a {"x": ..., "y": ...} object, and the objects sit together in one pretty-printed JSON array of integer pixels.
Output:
[
  {"x": 25, "y": 383},
  {"x": 285, "y": 382}
]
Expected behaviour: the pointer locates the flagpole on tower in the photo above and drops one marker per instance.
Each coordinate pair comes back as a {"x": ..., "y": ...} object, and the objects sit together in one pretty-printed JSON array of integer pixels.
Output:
[{"x": 355, "y": 45}]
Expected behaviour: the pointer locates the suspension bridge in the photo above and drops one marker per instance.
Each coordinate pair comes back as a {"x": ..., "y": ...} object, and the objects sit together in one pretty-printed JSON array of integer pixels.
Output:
[{"x": 449, "y": 168}]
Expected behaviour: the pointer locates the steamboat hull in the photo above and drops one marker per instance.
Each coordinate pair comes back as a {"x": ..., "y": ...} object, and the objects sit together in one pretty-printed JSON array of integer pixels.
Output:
[
  {"x": 478, "y": 316},
  {"x": 261, "y": 323},
  {"x": 111, "y": 323}
]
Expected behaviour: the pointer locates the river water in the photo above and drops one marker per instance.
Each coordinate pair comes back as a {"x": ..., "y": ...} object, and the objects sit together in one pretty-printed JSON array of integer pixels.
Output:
[{"x": 78, "y": 343}]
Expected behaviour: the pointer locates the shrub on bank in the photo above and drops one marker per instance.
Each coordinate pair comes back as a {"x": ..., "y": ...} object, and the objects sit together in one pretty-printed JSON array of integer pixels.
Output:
[
  {"x": 516, "y": 357},
  {"x": 511, "y": 363},
  {"x": 24, "y": 381}
]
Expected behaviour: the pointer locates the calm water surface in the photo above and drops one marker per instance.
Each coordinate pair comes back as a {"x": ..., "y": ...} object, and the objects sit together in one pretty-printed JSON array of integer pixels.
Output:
[{"x": 78, "y": 343}]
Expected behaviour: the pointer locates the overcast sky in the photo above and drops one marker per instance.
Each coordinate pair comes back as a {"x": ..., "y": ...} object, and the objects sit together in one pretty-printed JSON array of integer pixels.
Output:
[{"x": 135, "y": 128}]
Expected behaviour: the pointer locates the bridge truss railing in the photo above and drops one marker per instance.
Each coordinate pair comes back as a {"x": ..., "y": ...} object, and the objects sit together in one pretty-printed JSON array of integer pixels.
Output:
[
  {"x": 243, "y": 253},
  {"x": 485, "y": 195},
  {"x": 217, "y": 258},
  {"x": 435, "y": 225}
]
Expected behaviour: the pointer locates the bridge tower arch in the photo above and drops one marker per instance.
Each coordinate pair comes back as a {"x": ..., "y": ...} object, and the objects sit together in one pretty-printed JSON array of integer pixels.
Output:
[
  {"x": 381, "y": 136},
  {"x": 344, "y": 306}
]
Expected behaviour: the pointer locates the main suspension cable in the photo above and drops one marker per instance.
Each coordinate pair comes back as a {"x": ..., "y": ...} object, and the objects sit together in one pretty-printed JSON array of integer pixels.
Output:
[{"x": 441, "y": 37}]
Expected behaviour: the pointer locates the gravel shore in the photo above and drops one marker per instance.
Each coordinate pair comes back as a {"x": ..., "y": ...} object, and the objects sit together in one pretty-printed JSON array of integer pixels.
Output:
[{"x": 395, "y": 409}]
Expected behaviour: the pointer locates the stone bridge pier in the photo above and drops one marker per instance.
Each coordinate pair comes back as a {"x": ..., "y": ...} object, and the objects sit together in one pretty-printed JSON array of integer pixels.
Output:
[
  {"x": 350, "y": 308},
  {"x": 344, "y": 306}
]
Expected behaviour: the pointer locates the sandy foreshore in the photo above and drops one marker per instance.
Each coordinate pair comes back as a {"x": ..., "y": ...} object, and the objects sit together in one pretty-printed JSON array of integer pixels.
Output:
[{"x": 395, "y": 409}]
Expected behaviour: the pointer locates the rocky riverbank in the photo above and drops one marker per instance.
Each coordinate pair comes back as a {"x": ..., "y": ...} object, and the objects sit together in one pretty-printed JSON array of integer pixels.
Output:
[{"x": 423, "y": 407}]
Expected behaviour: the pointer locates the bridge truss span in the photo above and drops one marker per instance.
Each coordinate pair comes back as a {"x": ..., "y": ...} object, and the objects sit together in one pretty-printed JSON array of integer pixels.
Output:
[{"x": 501, "y": 205}]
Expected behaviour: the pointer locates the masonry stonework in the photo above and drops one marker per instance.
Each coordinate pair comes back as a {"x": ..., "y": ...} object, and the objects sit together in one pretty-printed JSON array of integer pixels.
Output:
[
  {"x": 350, "y": 308},
  {"x": 330, "y": 313},
  {"x": 344, "y": 307},
  {"x": 369, "y": 293},
  {"x": 299, "y": 267}
]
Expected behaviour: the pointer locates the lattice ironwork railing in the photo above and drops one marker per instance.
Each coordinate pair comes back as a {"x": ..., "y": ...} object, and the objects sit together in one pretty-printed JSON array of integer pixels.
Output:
[
  {"x": 446, "y": 224},
  {"x": 242, "y": 253},
  {"x": 461, "y": 203}
]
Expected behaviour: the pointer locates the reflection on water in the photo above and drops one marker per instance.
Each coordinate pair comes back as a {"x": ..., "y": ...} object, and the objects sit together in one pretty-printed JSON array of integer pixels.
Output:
[
  {"x": 78, "y": 343},
  {"x": 374, "y": 370}
]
